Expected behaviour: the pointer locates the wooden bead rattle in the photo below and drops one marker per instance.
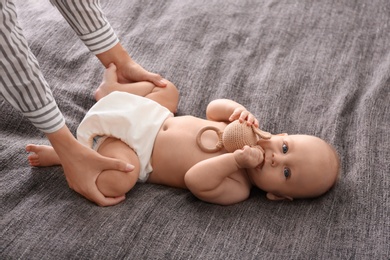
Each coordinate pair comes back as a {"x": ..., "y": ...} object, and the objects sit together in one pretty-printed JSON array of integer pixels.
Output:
[{"x": 235, "y": 136}]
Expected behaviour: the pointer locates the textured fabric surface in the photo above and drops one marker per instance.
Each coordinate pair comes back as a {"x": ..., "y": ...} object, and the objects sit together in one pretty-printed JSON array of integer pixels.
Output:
[{"x": 312, "y": 67}]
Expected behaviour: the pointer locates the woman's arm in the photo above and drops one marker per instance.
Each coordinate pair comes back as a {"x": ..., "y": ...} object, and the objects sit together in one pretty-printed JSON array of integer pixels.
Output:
[
  {"x": 26, "y": 89},
  {"x": 91, "y": 25},
  {"x": 83, "y": 165},
  {"x": 128, "y": 70}
]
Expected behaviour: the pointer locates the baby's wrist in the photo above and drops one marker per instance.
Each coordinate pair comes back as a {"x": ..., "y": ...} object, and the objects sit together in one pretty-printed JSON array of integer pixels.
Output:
[{"x": 237, "y": 155}]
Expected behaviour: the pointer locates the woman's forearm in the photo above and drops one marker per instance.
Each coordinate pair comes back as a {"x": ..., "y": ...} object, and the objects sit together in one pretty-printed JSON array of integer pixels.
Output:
[
  {"x": 116, "y": 55},
  {"x": 89, "y": 23}
]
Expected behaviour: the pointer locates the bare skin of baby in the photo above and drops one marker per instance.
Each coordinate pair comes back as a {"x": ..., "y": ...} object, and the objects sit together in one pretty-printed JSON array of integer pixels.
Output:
[{"x": 285, "y": 166}]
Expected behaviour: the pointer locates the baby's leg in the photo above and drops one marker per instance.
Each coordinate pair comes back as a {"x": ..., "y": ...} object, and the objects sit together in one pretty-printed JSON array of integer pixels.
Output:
[
  {"x": 167, "y": 97},
  {"x": 113, "y": 183},
  {"x": 42, "y": 155},
  {"x": 110, "y": 84}
]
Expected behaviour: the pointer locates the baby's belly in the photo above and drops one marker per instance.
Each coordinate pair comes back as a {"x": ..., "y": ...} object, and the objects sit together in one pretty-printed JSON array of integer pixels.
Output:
[{"x": 176, "y": 150}]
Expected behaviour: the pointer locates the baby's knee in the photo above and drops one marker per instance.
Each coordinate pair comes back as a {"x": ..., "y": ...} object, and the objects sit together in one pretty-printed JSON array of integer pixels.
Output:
[
  {"x": 112, "y": 183},
  {"x": 172, "y": 97}
]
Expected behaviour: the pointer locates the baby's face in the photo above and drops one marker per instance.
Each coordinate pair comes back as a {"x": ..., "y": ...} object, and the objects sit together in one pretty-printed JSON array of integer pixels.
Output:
[{"x": 295, "y": 166}]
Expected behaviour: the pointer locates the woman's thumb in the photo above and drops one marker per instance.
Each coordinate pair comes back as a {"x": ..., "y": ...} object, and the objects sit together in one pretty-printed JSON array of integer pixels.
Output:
[{"x": 115, "y": 164}]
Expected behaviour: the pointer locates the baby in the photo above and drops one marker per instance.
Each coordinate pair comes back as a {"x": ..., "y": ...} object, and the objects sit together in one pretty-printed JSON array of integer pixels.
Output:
[{"x": 135, "y": 123}]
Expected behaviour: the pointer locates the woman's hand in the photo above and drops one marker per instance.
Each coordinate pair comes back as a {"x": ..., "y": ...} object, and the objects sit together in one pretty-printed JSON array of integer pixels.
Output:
[
  {"x": 83, "y": 165},
  {"x": 128, "y": 70}
]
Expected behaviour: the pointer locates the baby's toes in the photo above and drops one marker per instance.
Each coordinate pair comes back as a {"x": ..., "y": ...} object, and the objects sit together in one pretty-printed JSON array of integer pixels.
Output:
[
  {"x": 31, "y": 148},
  {"x": 33, "y": 159}
]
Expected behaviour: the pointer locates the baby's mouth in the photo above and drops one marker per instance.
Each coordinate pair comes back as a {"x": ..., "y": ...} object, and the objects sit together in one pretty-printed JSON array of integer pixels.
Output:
[{"x": 260, "y": 166}]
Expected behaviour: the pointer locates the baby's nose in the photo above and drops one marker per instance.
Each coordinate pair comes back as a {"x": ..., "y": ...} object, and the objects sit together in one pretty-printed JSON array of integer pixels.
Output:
[{"x": 274, "y": 160}]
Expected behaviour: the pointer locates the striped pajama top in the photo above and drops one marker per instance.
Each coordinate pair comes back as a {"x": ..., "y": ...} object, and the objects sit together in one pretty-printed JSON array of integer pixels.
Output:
[{"x": 21, "y": 81}]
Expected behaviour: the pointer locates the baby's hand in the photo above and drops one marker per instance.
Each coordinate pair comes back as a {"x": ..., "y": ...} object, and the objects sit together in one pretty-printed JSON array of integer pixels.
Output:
[
  {"x": 249, "y": 157},
  {"x": 242, "y": 115}
]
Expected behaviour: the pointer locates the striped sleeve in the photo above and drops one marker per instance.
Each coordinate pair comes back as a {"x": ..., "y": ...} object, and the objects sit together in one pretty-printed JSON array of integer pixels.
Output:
[
  {"x": 88, "y": 21},
  {"x": 21, "y": 81}
]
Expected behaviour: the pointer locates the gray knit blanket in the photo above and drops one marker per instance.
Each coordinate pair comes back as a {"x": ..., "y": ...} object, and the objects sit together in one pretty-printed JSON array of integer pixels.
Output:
[{"x": 308, "y": 67}]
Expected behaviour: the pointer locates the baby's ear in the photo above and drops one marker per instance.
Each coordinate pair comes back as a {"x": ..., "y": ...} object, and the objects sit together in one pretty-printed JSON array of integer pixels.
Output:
[{"x": 272, "y": 196}]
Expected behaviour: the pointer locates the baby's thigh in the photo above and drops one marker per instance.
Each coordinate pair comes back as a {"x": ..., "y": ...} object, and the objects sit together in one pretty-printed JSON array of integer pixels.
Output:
[{"x": 114, "y": 183}]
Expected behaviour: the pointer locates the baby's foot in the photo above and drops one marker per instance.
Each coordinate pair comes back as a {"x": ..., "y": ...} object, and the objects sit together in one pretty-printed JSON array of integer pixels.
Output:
[
  {"x": 110, "y": 79},
  {"x": 42, "y": 155}
]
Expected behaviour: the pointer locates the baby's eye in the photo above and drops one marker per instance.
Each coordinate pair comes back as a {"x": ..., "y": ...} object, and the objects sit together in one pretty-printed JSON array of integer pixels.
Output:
[
  {"x": 284, "y": 148},
  {"x": 287, "y": 172}
]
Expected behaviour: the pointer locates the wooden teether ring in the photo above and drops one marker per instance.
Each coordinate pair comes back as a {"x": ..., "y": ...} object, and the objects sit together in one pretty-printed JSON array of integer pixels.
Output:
[{"x": 218, "y": 146}]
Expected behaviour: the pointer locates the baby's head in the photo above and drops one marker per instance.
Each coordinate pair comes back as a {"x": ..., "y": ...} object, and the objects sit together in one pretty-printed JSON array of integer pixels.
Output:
[{"x": 296, "y": 166}]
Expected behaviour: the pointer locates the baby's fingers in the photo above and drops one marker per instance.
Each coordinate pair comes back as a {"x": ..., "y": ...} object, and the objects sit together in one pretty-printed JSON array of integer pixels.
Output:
[
  {"x": 235, "y": 115},
  {"x": 251, "y": 120},
  {"x": 244, "y": 116}
]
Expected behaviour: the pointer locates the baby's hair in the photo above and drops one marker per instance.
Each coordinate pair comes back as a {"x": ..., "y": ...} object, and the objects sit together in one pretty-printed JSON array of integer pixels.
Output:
[{"x": 333, "y": 169}]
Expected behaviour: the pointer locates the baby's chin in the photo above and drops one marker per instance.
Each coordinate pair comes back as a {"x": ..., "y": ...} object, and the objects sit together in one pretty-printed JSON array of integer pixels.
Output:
[{"x": 254, "y": 174}]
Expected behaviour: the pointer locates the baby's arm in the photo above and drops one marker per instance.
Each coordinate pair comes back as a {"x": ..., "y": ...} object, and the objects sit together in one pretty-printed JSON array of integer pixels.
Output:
[
  {"x": 218, "y": 180},
  {"x": 222, "y": 179},
  {"x": 226, "y": 110}
]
